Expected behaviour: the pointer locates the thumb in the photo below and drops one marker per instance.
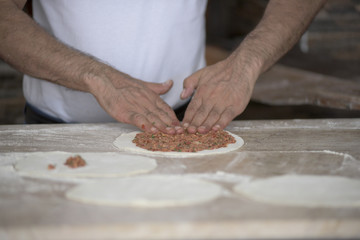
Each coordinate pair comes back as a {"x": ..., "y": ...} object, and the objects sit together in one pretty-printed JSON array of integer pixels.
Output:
[
  {"x": 160, "y": 88},
  {"x": 190, "y": 84}
]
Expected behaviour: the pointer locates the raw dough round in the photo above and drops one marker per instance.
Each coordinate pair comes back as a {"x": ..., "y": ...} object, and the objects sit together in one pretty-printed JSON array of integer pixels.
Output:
[
  {"x": 124, "y": 143},
  {"x": 99, "y": 164},
  {"x": 146, "y": 191},
  {"x": 303, "y": 191}
]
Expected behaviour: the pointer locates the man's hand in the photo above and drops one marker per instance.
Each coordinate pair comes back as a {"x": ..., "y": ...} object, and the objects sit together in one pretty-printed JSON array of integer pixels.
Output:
[
  {"x": 134, "y": 101},
  {"x": 223, "y": 90}
]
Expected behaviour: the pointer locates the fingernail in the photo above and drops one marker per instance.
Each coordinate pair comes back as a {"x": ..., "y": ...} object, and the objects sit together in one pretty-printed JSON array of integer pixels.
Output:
[
  {"x": 167, "y": 83},
  {"x": 170, "y": 131},
  {"x": 180, "y": 131},
  {"x": 186, "y": 125},
  {"x": 216, "y": 127},
  {"x": 202, "y": 128},
  {"x": 191, "y": 129},
  {"x": 153, "y": 129},
  {"x": 182, "y": 95},
  {"x": 177, "y": 127}
]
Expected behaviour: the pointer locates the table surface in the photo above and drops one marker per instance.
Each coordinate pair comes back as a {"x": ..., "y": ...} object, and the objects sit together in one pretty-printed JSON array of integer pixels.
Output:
[
  {"x": 37, "y": 208},
  {"x": 282, "y": 86}
]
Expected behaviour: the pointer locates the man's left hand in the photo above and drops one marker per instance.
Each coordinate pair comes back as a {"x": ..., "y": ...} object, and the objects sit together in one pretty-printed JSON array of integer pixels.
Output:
[{"x": 222, "y": 91}]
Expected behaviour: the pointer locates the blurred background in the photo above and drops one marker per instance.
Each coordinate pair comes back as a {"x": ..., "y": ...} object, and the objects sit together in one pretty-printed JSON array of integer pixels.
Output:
[{"x": 318, "y": 78}]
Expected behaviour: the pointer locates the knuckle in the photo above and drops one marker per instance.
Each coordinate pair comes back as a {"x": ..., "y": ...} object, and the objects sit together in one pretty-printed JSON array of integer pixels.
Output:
[
  {"x": 196, "y": 102},
  {"x": 202, "y": 110},
  {"x": 159, "y": 117},
  {"x": 194, "y": 105},
  {"x": 163, "y": 115},
  {"x": 226, "y": 117},
  {"x": 187, "y": 118},
  {"x": 137, "y": 118},
  {"x": 149, "y": 114},
  {"x": 212, "y": 118},
  {"x": 191, "y": 108},
  {"x": 200, "y": 91},
  {"x": 163, "y": 107},
  {"x": 229, "y": 113},
  {"x": 130, "y": 117},
  {"x": 166, "y": 113},
  {"x": 198, "y": 120},
  {"x": 214, "y": 114},
  {"x": 161, "y": 126}
]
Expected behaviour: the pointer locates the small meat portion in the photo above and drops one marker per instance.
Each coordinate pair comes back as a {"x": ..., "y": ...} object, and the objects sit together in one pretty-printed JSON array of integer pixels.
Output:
[
  {"x": 51, "y": 166},
  {"x": 185, "y": 142},
  {"x": 75, "y": 162}
]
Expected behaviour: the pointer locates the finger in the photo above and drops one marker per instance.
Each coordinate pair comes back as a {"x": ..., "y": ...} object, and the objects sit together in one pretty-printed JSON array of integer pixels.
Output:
[
  {"x": 156, "y": 117},
  {"x": 164, "y": 121},
  {"x": 160, "y": 88},
  {"x": 190, "y": 112},
  {"x": 161, "y": 110},
  {"x": 200, "y": 116},
  {"x": 166, "y": 113},
  {"x": 213, "y": 117},
  {"x": 201, "y": 112},
  {"x": 141, "y": 122},
  {"x": 190, "y": 84},
  {"x": 225, "y": 118},
  {"x": 158, "y": 124},
  {"x": 192, "y": 107}
]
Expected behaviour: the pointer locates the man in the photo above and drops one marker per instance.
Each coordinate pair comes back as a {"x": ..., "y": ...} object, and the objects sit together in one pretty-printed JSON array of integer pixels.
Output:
[{"x": 99, "y": 61}]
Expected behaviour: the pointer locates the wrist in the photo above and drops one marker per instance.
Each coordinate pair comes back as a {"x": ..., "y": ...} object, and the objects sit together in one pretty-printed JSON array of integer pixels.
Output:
[
  {"x": 247, "y": 63},
  {"x": 94, "y": 77}
]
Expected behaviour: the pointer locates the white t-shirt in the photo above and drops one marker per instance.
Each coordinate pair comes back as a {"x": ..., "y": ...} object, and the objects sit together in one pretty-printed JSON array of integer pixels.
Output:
[{"x": 152, "y": 40}]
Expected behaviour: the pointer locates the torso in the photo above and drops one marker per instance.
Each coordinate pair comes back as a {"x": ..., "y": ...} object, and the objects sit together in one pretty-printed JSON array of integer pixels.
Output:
[{"x": 150, "y": 40}]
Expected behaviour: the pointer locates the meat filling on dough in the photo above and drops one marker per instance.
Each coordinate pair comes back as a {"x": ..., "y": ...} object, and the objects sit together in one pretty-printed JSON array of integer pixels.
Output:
[
  {"x": 185, "y": 142},
  {"x": 75, "y": 162}
]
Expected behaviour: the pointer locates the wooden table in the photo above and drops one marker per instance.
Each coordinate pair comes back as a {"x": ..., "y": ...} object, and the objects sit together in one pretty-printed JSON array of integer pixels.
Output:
[
  {"x": 37, "y": 209},
  {"x": 287, "y": 86},
  {"x": 282, "y": 85}
]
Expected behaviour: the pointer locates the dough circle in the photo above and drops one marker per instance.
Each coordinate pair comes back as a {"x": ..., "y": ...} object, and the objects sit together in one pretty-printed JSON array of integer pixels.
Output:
[
  {"x": 146, "y": 191},
  {"x": 99, "y": 164},
  {"x": 303, "y": 191},
  {"x": 124, "y": 143}
]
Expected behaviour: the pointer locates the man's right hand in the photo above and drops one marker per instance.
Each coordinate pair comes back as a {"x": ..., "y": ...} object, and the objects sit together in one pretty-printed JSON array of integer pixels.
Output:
[{"x": 134, "y": 101}]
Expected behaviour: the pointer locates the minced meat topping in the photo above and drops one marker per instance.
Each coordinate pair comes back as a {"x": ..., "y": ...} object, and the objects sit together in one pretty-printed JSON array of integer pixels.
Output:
[
  {"x": 185, "y": 142},
  {"x": 75, "y": 162},
  {"x": 51, "y": 166}
]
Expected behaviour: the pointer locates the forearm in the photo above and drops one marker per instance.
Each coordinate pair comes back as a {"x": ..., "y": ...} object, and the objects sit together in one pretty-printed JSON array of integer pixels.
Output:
[
  {"x": 31, "y": 50},
  {"x": 282, "y": 25}
]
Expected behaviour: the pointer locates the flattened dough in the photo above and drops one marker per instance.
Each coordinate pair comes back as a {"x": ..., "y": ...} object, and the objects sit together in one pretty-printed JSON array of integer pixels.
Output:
[
  {"x": 146, "y": 191},
  {"x": 99, "y": 164},
  {"x": 124, "y": 143},
  {"x": 303, "y": 191}
]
